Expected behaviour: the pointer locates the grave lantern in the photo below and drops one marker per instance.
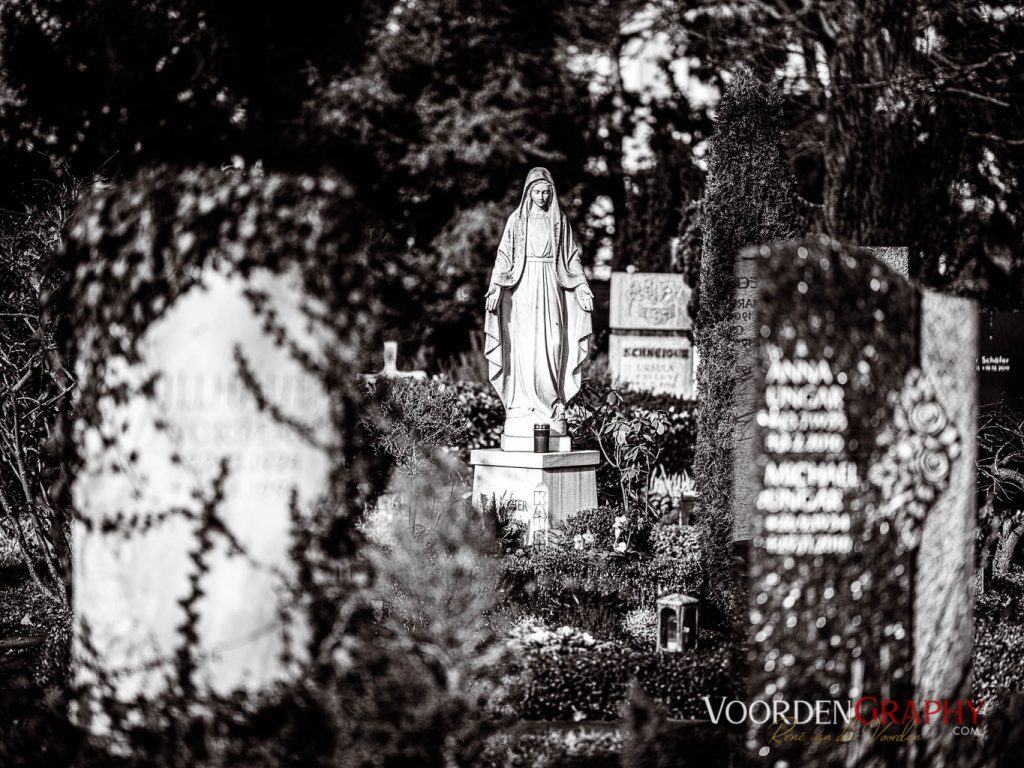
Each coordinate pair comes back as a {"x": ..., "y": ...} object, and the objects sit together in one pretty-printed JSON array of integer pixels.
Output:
[
  {"x": 677, "y": 622},
  {"x": 687, "y": 507}
]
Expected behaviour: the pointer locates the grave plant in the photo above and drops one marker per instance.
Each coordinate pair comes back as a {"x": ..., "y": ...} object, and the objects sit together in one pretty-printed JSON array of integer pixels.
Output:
[
  {"x": 1000, "y": 486},
  {"x": 630, "y": 442}
]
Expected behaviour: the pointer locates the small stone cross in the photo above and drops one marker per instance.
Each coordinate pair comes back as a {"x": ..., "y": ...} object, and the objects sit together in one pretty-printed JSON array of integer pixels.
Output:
[{"x": 390, "y": 370}]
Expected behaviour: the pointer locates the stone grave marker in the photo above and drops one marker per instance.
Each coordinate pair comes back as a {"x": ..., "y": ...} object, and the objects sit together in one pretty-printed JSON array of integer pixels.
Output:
[
  {"x": 649, "y": 301},
  {"x": 863, "y": 512},
  {"x": 650, "y": 348},
  {"x": 1001, "y": 362},
  {"x": 391, "y": 370},
  {"x": 127, "y": 588},
  {"x": 745, "y": 403},
  {"x": 655, "y": 364}
]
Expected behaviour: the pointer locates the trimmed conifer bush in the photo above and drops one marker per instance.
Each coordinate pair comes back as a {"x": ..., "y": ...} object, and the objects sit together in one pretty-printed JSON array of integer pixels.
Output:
[{"x": 750, "y": 200}]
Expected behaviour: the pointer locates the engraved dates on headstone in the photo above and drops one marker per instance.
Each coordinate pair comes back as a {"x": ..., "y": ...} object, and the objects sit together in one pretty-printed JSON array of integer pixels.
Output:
[{"x": 803, "y": 415}]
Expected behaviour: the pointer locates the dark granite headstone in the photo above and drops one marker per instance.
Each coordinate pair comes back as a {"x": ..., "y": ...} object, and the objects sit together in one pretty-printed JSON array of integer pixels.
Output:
[
  {"x": 1001, "y": 362},
  {"x": 745, "y": 481},
  {"x": 863, "y": 510}
]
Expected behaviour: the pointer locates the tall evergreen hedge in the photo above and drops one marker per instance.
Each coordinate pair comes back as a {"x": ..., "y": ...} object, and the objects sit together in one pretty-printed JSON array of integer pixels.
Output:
[{"x": 750, "y": 199}]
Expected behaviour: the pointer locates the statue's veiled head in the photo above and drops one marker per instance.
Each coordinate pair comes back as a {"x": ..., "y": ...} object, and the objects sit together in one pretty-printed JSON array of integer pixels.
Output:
[{"x": 539, "y": 190}]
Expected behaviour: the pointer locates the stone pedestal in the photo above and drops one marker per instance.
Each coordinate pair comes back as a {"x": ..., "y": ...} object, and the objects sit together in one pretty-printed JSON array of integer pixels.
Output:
[
  {"x": 556, "y": 443},
  {"x": 544, "y": 488}
]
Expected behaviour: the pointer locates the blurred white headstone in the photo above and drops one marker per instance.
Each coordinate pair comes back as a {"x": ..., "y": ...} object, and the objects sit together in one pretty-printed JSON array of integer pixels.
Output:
[{"x": 127, "y": 588}]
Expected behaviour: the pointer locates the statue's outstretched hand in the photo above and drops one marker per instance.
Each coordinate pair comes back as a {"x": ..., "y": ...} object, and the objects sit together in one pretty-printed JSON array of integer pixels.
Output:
[
  {"x": 493, "y": 297},
  {"x": 585, "y": 297}
]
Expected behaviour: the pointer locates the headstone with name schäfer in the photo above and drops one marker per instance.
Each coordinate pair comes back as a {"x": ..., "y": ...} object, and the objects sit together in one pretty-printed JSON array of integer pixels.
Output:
[
  {"x": 128, "y": 587},
  {"x": 863, "y": 514},
  {"x": 1001, "y": 359},
  {"x": 650, "y": 348}
]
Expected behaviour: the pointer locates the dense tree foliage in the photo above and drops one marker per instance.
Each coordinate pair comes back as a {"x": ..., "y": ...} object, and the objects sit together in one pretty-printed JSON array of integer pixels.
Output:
[
  {"x": 108, "y": 86},
  {"x": 904, "y": 121},
  {"x": 438, "y": 128},
  {"x": 433, "y": 110}
]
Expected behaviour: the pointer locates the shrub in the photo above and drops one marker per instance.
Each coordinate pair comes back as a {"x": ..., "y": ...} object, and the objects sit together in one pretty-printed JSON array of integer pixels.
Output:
[
  {"x": 675, "y": 445},
  {"x": 591, "y": 588},
  {"x": 483, "y": 411},
  {"x": 640, "y": 624},
  {"x": 596, "y": 523},
  {"x": 678, "y": 442},
  {"x": 561, "y": 749},
  {"x": 499, "y": 517},
  {"x": 676, "y": 541},
  {"x": 649, "y": 741},
  {"x": 749, "y": 200},
  {"x": 691, "y": 246},
  {"x": 567, "y": 682},
  {"x": 630, "y": 442},
  {"x": 998, "y": 638},
  {"x": 560, "y": 586},
  {"x": 532, "y": 635},
  {"x": 409, "y": 420}
]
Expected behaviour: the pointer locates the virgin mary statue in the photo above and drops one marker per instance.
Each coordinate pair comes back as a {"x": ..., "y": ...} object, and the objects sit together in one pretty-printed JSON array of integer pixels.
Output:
[{"x": 538, "y": 320}]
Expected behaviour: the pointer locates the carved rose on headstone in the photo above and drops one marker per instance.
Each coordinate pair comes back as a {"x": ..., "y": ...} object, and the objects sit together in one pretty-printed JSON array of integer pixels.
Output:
[{"x": 920, "y": 448}]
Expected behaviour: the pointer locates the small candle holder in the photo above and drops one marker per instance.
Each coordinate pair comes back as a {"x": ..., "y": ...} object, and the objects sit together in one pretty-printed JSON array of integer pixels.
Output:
[{"x": 541, "y": 436}]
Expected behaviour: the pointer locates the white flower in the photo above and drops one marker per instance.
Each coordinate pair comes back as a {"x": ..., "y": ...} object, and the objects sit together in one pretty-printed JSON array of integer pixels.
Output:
[
  {"x": 620, "y": 547},
  {"x": 588, "y": 539},
  {"x": 577, "y": 542}
]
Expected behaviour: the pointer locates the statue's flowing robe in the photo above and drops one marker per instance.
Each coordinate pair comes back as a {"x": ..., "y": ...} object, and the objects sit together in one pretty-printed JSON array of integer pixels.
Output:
[{"x": 537, "y": 341}]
